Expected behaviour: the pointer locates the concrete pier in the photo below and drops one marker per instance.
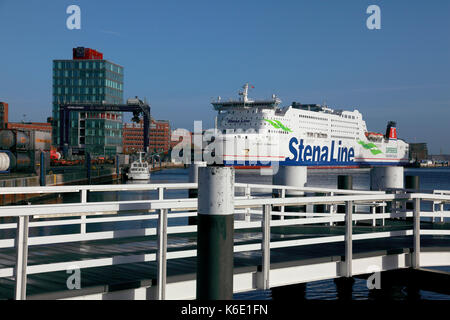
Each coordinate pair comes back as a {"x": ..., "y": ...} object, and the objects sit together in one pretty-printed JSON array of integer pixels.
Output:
[
  {"x": 215, "y": 233},
  {"x": 413, "y": 280},
  {"x": 294, "y": 292},
  {"x": 344, "y": 288}
]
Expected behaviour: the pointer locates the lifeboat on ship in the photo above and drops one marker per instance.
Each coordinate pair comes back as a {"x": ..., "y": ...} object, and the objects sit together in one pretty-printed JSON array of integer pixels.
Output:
[{"x": 374, "y": 136}]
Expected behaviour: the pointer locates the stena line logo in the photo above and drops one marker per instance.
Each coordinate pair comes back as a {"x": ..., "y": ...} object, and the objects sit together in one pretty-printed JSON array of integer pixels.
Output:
[{"x": 327, "y": 154}]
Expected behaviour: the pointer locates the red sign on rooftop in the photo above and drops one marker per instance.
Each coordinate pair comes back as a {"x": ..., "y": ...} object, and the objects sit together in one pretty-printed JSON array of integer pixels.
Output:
[{"x": 82, "y": 53}]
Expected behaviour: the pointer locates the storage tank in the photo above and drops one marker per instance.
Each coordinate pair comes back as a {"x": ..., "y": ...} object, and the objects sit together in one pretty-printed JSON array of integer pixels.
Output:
[
  {"x": 4, "y": 161},
  {"x": 12, "y": 161},
  {"x": 7, "y": 139},
  {"x": 41, "y": 140},
  {"x": 22, "y": 140},
  {"x": 14, "y": 139},
  {"x": 24, "y": 161}
]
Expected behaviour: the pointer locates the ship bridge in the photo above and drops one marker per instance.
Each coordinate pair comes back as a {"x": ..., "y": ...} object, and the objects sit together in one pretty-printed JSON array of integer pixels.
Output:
[{"x": 245, "y": 102}]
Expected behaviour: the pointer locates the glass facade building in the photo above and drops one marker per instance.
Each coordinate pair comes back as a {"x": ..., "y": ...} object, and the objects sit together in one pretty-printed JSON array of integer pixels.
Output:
[{"x": 91, "y": 82}]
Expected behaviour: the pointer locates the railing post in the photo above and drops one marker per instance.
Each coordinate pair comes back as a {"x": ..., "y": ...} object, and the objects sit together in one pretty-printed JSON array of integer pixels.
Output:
[
  {"x": 83, "y": 195},
  {"x": 161, "y": 255},
  {"x": 416, "y": 219},
  {"x": 215, "y": 233},
  {"x": 283, "y": 196},
  {"x": 332, "y": 209},
  {"x": 266, "y": 246},
  {"x": 348, "y": 238},
  {"x": 160, "y": 193},
  {"x": 441, "y": 209},
  {"x": 21, "y": 258},
  {"x": 374, "y": 219},
  {"x": 248, "y": 193}
]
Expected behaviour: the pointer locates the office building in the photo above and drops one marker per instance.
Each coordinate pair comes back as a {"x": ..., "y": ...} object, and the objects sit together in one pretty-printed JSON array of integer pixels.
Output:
[{"x": 89, "y": 79}]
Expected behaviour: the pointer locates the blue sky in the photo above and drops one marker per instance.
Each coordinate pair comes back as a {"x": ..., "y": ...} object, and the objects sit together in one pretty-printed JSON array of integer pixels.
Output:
[{"x": 181, "y": 54}]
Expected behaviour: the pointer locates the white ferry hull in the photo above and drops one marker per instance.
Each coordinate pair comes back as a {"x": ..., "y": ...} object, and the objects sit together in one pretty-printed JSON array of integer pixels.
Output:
[{"x": 297, "y": 151}]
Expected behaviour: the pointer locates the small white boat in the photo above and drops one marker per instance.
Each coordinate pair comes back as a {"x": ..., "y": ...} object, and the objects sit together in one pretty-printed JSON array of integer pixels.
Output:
[{"x": 139, "y": 170}]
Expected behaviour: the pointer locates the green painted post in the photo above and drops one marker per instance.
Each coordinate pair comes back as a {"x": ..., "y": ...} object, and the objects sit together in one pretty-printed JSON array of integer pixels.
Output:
[
  {"x": 411, "y": 182},
  {"x": 215, "y": 233}
]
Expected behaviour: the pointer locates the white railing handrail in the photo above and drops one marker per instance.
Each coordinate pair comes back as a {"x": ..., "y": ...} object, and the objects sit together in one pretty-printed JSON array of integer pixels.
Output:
[
  {"x": 187, "y": 207},
  {"x": 97, "y": 188},
  {"x": 167, "y": 186},
  {"x": 113, "y": 207}
]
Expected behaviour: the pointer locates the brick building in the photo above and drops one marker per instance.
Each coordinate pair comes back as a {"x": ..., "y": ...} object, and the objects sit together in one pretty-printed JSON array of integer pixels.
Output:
[
  {"x": 159, "y": 136},
  {"x": 40, "y": 126}
]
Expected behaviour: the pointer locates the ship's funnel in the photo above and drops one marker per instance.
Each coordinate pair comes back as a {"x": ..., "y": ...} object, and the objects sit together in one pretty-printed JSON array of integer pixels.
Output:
[{"x": 391, "y": 130}]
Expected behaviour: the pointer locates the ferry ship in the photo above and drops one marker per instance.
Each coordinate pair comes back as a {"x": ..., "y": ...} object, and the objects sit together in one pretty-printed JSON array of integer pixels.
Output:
[{"x": 258, "y": 133}]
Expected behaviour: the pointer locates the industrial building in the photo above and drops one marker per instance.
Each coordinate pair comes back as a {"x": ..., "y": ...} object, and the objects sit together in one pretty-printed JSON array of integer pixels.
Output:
[
  {"x": 159, "y": 135},
  {"x": 39, "y": 126},
  {"x": 89, "y": 79},
  {"x": 418, "y": 151},
  {"x": 3, "y": 114}
]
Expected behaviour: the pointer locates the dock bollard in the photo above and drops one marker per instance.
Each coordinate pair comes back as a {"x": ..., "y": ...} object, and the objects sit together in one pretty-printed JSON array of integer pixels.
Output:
[
  {"x": 411, "y": 182},
  {"x": 344, "y": 183},
  {"x": 193, "y": 178},
  {"x": 215, "y": 233},
  {"x": 290, "y": 176},
  {"x": 382, "y": 178}
]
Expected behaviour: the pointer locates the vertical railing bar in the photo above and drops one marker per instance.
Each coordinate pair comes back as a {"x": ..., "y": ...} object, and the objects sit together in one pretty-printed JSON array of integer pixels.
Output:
[
  {"x": 416, "y": 221},
  {"x": 83, "y": 195},
  {"x": 248, "y": 193},
  {"x": 374, "y": 211},
  {"x": 21, "y": 258},
  {"x": 161, "y": 193},
  {"x": 433, "y": 211},
  {"x": 348, "y": 238},
  {"x": 332, "y": 209},
  {"x": 283, "y": 196},
  {"x": 162, "y": 255},
  {"x": 266, "y": 246}
]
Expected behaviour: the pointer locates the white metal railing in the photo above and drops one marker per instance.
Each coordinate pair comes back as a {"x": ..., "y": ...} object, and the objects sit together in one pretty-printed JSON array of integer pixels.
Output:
[{"x": 251, "y": 204}]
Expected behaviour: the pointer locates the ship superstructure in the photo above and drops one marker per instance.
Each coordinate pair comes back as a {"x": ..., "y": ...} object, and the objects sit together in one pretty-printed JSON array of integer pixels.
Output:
[{"x": 260, "y": 132}]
